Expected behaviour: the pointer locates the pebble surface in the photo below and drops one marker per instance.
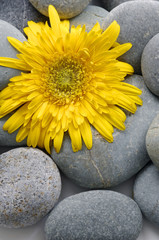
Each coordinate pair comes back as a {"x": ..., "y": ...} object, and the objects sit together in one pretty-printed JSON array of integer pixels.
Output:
[
  {"x": 146, "y": 193},
  {"x": 152, "y": 141},
  {"x": 66, "y": 9},
  {"x": 90, "y": 16},
  {"x": 95, "y": 215},
  {"x": 138, "y": 22},
  {"x": 30, "y": 185},
  {"x": 109, "y": 164},
  {"x": 6, "y": 50},
  {"x": 150, "y": 65}
]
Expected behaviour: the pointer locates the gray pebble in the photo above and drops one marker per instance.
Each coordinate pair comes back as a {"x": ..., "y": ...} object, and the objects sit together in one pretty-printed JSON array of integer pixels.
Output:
[
  {"x": 6, "y": 50},
  {"x": 152, "y": 141},
  {"x": 90, "y": 16},
  {"x": 30, "y": 186},
  {"x": 19, "y": 12},
  {"x": 146, "y": 193},
  {"x": 95, "y": 215},
  {"x": 138, "y": 24},
  {"x": 108, "y": 164},
  {"x": 66, "y": 9},
  {"x": 150, "y": 65}
]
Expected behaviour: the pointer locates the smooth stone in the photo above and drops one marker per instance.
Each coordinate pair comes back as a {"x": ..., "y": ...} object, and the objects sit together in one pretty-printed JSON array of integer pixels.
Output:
[
  {"x": 150, "y": 64},
  {"x": 146, "y": 193},
  {"x": 6, "y": 50},
  {"x": 90, "y": 16},
  {"x": 19, "y": 12},
  {"x": 9, "y": 140},
  {"x": 95, "y": 215},
  {"x": 152, "y": 141},
  {"x": 30, "y": 185},
  {"x": 138, "y": 22},
  {"x": 109, "y": 164},
  {"x": 66, "y": 9}
]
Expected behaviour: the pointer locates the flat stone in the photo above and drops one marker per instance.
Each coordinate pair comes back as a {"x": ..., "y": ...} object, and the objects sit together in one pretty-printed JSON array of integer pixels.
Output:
[
  {"x": 146, "y": 193},
  {"x": 19, "y": 12},
  {"x": 150, "y": 65},
  {"x": 138, "y": 22},
  {"x": 90, "y": 16},
  {"x": 152, "y": 141},
  {"x": 30, "y": 185},
  {"x": 109, "y": 164},
  {"x": 95, "y": 215},
  {"x": 6, "y": 50},
  {"x": 66, "y": 9}
]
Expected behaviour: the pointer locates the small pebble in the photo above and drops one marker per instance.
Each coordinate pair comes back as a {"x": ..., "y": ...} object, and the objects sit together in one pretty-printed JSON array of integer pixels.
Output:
[
  {"x": 146, "y": 193},
  {"x": 30, "y": 185},
  {"x": 138, "y": 22},
  {"x": 66, "y": 9},
  {"x": 95, "y": 215},
  {"x": 150, "y": 64}
]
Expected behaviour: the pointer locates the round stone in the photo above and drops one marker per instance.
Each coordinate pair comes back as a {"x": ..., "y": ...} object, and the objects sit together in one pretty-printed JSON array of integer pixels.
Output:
[
  {"x": 152, "y": 141},
  {"x": 90, "y": 16},
  {"x": 30, "y": 186},
  {"x": 19, "y": 12},
  {"x": 150, "y": 64},
  {"x": 138, "y": 22},
  {"x": 146, "y": 193},
  {"x": 6, "y": 50},
  {"x": 66, "y": 9},
  {"x": 108, "y": 164},
  {"x": 95, "y": 215},
  {"x": 9, "y": 140}
]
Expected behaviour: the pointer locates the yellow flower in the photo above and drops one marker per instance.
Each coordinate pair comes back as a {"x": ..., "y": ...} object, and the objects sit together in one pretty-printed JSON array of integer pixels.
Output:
[{"x": 71, "y": 79}]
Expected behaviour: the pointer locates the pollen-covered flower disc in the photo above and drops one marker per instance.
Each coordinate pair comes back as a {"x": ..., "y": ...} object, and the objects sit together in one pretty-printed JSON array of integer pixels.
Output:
[{"x": 70, "y": 80}]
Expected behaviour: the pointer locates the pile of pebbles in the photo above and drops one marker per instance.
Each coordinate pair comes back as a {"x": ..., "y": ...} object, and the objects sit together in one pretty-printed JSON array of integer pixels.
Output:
[{"x": 30, "y": 181}]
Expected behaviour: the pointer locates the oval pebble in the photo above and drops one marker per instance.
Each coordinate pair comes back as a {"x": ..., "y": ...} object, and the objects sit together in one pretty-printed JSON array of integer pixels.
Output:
[
  {"x": 6, "y": 50},
  {"x": 150, "y": 65},
  {"x": 146, "y": 193},
  {"x": 95, "y": 215},
  {"x": 108, "y": 164},
  {"x": 90, "y": 16},
  {"x": 138, "y": 24},
  {"x": 66, "y": 9},
  {"x": 30, "y": 185},
  {"x": 152, "y": 141}
]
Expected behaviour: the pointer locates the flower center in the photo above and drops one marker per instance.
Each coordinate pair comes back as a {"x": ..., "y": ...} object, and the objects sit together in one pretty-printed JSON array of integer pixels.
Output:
[{"x": 66, "y": 79}]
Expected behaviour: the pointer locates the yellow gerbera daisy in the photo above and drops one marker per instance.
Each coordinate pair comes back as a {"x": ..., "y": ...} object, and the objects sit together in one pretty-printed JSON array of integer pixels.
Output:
[{"x": 72, "y": 79}]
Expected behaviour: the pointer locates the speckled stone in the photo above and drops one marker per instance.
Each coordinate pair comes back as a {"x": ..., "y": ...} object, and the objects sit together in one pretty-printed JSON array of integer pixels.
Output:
[
  {"x": 7, "y": 139},
  {"x": 146, "y": 193},
  {"x": 108, "y": 164},
  {"x": 95, "y": 215},
  {"x": 138, "y": 24},
  {"x": 152, "y": 141},
  {"x": 6, "y": 50},
  {"x": 30, "y": 185},
  {"x": 66, "y": 9},
  {"x": 19, "y": 12},
  {"x": 90, "y": 16},
  {"x": 150, "y": 64}
]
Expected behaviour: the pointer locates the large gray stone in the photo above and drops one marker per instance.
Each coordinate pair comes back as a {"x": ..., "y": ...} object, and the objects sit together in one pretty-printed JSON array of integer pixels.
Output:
[
  {"x": 90, "y": 16},
  {"x": 146, "y": 193},
  {"x": 66, "y": 9},
  {"x": 108, "y": 164},
  {"x": 138, "y": 23},
  {"x": 19, "y": 12},
  {"x": 150, "y": 64},
  {"x": 30, "y": 185},
  {"x": 6, "y": 50},
  {"x": 95, "y": 215},
  {"x": 152, "y": 141}
]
